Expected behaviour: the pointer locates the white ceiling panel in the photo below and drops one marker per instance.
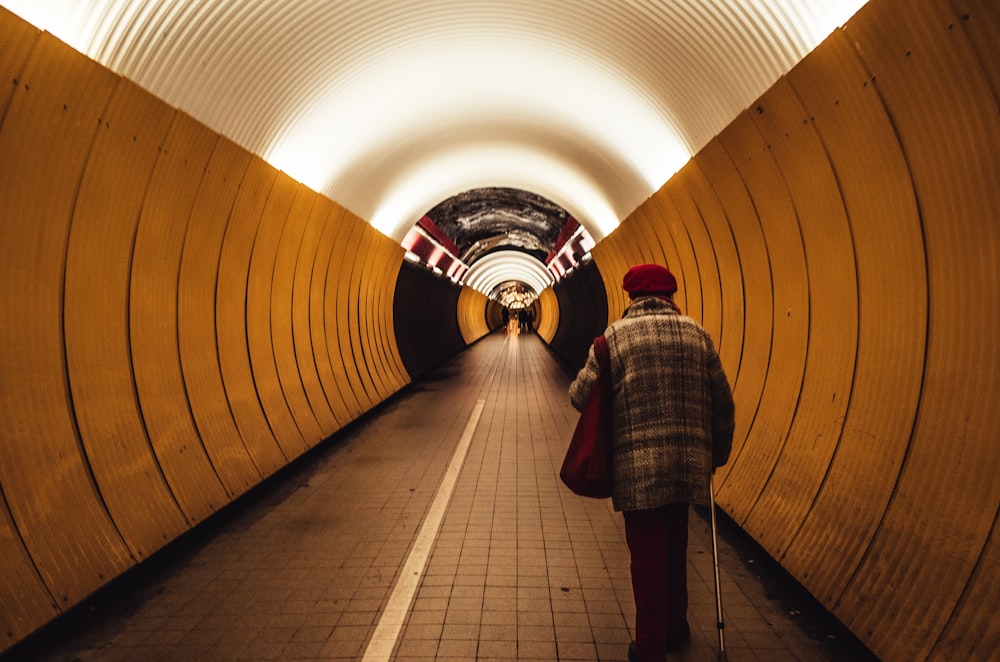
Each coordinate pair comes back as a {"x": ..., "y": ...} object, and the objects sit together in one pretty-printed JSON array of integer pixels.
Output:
[{"x": 391, "y": 106}]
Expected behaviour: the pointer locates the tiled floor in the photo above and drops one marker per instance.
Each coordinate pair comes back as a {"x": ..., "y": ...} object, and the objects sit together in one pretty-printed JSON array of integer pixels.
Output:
[{"x": 517, "y": 567}]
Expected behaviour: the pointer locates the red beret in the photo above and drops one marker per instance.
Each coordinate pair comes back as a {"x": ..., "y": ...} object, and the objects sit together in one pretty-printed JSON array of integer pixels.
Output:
[{"x": 647, "y": 279}]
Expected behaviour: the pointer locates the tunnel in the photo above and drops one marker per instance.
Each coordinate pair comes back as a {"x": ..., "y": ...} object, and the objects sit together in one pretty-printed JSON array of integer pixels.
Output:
[{"x": 181, "y": 316}]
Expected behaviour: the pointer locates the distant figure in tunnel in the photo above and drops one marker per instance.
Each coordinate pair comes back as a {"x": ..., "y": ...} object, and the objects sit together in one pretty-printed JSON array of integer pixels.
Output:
[{"x": 673, "y": 425}]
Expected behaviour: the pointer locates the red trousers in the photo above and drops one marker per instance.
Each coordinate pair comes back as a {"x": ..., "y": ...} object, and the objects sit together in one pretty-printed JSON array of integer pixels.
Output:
[{"x": 657, "y": 541}]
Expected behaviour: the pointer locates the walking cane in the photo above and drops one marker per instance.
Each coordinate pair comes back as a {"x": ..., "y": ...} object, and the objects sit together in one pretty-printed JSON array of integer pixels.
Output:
[{"x": 718, "y": 589}]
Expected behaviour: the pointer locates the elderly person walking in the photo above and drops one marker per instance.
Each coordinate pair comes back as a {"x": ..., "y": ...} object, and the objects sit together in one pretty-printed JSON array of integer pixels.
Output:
[{"x": 673, "y": 424}]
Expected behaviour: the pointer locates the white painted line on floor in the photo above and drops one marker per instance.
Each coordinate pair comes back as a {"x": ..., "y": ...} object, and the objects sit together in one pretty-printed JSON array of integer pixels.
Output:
[{"x": 392, "y": 619}]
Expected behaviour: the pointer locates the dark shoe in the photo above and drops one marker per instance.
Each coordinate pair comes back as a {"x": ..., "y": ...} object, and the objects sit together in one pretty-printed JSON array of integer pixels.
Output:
[
  {"x": 678, "y": 640},
  {"x": 632, "y": 655}
]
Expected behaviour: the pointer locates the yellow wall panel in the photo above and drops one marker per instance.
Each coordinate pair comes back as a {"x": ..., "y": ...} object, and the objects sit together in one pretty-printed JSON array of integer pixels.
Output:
[
  {"x": 873, "y": 181},
  {"x": 377, "y": 305},
  {"x": 616, "y": 293},
  {"x": 25, "y": 602},
  {"x": 196, "y": 306},
  {"x": 548, "y": 318},
  {"x": 389, "y": 255},
  {"x": 861, "y": 452},
  {"x": 321, "y": 336},
  {"x": 746, "y": 379},
  {"x": 282, "y": 337},
  {"x": 612, "y": 268},
  {"x": 18, "y": 38},
  {"x": 372, "y": 315},
  {"x": 387, "y": 277},
  {"x": 971, "y": 631},
  {"x": 979, "y": 22},
  {"x": 640, "y": 244},
  {"x": 789, "y": 332},
  {"x": 726, "y": 265},
  {"x": 650, "y": 234},
  {"x": 673, "y": 233},
  {"x": 617, "y": 256},
  {"x": 259, "y": 314},
  {"x": 366, "y": 320},
  {"x": 917, "y": 51},
  {"x": 390, "y": 276},
  {"x": 231, "y": 319},
  {"x": 472, "y": 315},
  {"x": 394, "y": 258},
  {"x": 305, "y": 354},
  {"x": 344, "y": 316},
  {"x": 47, "y": 486},
  {"x": 357, "y": 328},
  {"x": 710, "y": 295},
  {"x": 653, "y": 234},
  {"x": 153, "y": 277},
  {"x": 98, "y": 351},
  {"x": 624, "y": 258},
  {"x": 337, "y": 284},
  {"x": 820, "y": 409},
  {"x": 349, "y": 304},
  {"x": 648, "y": 226},
  {"x": 620, "y": 265},
  {"x": 153, "y": 319}
]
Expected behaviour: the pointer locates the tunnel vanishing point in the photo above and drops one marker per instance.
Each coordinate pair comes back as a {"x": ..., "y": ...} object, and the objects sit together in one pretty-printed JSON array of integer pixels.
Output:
[{"x": 179, "y": 320}]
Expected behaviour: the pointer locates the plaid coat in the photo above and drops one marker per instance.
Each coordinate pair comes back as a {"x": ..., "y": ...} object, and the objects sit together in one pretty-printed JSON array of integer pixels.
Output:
[{"x": 673, "y": 408}]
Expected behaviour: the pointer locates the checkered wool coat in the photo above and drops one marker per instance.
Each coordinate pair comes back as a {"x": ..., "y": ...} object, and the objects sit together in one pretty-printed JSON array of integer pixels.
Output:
[{"x": 673, "y": 408}]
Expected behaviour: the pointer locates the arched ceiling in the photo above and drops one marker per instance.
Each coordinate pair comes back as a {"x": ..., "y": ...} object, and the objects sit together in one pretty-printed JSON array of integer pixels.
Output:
[
  {"x": 484, "y": 220},
  {"x": 391, "y": 107}
]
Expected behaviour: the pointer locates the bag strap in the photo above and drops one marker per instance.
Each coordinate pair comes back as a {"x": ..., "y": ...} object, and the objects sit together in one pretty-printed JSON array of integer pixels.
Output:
[
  {"x": 603, "y": 355},
  {"x": 604, "y": 380}
]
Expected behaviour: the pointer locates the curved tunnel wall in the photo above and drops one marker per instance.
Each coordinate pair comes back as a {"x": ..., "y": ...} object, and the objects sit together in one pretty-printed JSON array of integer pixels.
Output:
[
  {"x": 428, "y": 330},
  {"x": 579, "y": 305},
  {"x": 474, "y": 315},
  {"x": 840, "y": 240},
  {"x": 494, "y": 314},
  {"x": 548, "y": 315},
  {"x": 178, "y": 321}
]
